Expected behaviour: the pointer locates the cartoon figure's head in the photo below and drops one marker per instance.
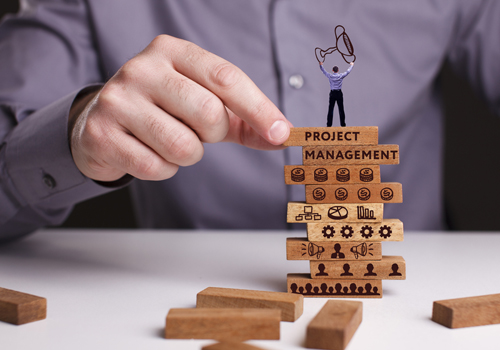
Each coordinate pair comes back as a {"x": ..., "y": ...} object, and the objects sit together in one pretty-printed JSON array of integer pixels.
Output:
[{"x": 335, "y": 69}]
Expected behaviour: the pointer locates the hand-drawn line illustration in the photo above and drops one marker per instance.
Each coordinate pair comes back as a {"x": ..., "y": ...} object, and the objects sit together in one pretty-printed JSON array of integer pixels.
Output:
[
  {"x": 366, "y": 214},
  {"x": 362, "y": 249},
  {"x": 347, "y": 231},
  {"x": 308, "y": 214},
  {"x": 346, "y": 50},
  {"x": 366, "y": 231},
  {"x": 364, "y": 194},
  {"x": 298, "y": 175},
  {"x": 395, "y": 269},
  {"x": 320, "y": 175},
  {"x": 386, "y": 194},
  {"x": 328, "y": 231},
  {"x": 366, "y": 175},
  {"x": 370, "y": 272},
  {"x": 319, "y": 194},
  {"x": 346, "y": 272},
  {"x": 338, "y": 212},
  {"x": 324, "y": 289},
  {"x": 338, "y": 254},
  {"x": 343, "y": 175},
  {"x": 385, "y": 231},
  {"x": 321, "y": 268},
  {"x": 312, "y": 249},
  {"x": 341, "y": 194}
]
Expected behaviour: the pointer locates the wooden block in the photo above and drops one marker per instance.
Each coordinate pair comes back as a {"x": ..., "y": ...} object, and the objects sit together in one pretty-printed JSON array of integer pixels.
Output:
[
  {"x": 389, "y": 268},
  {"x": 302, "y": 249},
  {"x": 291, "y": 306},
  {"x": 331, "y": 174},
  {"x": 334, "y": 325},
  {"x": 467, "y": 312},
  {"x": 387, "y": 230},
  {"x": 302, "y": 283},
  {"x": 20, "y": 308},
  {"x": 230, "y": 346},
  {"x": 223, "y": 324},
  {"x": 385, "y": 192},
  {"x": 307, "y": 213},
  {"x": 352, "y": 135},
  {"x": 322, "y": 155}
]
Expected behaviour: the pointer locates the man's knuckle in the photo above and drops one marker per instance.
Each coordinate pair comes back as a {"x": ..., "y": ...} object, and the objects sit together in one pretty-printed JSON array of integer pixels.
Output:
[{"x": 226, "y": 75}]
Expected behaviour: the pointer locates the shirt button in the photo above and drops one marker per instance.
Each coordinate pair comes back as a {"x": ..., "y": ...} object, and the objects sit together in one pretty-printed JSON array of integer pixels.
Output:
[
  {"x": 49, "y": 181},
  {"x": 296, "y": 81}
]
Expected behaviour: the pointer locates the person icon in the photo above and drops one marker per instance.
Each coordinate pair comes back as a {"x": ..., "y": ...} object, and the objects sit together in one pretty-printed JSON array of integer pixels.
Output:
[
  {"x": 321, "y": 268},
  {"x": 337, "y": 254},
  {"x": 346, "y": 272},
  {"x": 395, "y": 269},
  {"x": 293, "y": 287},
  {"x": 336, "y": 95},
  {"x": 370, "y": 272}
]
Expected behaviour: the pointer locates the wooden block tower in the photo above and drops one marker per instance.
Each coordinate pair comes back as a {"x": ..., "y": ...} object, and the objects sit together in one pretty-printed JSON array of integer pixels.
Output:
[{"x": 343, "y": 212}]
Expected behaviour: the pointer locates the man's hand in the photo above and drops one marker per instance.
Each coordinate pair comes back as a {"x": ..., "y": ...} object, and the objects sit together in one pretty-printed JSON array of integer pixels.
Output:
[
  {"x": 321, "y": 63},
  {"x": 155, "y": 113},
  {"x": 352, "y": 63}
]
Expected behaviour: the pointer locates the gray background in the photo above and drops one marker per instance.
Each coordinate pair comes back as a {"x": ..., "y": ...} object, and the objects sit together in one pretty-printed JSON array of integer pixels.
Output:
[{"x": 471, "y": 164}]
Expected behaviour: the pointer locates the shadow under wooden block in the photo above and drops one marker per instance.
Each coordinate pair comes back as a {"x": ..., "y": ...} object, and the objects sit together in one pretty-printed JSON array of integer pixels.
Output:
[
  {"x": 301, "y": 283},
  {"x": 230, "y": 346},
  {"x": 291, "y": 306},
  {"x": 334, "y": 325},
  {"x": 20, "y": 308},
  {"x": 223, "y": 324},
  {"x": 467, "y": 312}
]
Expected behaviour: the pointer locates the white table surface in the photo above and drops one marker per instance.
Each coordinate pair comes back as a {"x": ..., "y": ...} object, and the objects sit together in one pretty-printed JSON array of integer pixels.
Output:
[{"x": 113, "y": 289}]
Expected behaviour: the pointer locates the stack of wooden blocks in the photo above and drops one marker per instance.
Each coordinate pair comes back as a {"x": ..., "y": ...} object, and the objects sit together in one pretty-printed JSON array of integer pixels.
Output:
[{"x": 343, "y": 212}]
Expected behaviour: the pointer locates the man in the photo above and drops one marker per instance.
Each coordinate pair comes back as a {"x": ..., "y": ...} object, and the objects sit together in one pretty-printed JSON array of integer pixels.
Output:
[{"x": 336, "y": 92}]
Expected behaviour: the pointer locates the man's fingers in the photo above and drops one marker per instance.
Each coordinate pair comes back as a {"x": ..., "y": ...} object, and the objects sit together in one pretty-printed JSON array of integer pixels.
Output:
[{"x": 236, "y": 90}]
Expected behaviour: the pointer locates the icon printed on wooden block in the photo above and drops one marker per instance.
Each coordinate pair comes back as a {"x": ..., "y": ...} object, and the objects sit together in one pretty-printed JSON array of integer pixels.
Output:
[
  {"x": 332, "y": 174},
  {"x": 319, "y": 194},
  {"x": 362, "y": 249},
  {"x": 327, "y": 213},
  {"x": 301, "y": 249},
  {"x": 343, "y": 175},
  {"x": 312, "y": 249},
  {"x": 366, "y": 175},
  {"x": 389, "y": 230},
  {"x": 331, "y": 288},
  {"x": 365, "y": 213},
  {"x": 388, "y": 192},
  {"x": 320, "y": 175},
  {"x": 308, "y": 214},
  {"x": 298, "y": 175}
]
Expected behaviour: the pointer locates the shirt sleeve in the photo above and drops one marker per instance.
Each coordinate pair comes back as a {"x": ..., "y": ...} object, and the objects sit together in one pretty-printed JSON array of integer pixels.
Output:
[
  {"x": 324, "y": 71},
  {"x": 474, "y": 51},
  {"x": 46, "y": 58},
  {"x": 343, "y": 75}
]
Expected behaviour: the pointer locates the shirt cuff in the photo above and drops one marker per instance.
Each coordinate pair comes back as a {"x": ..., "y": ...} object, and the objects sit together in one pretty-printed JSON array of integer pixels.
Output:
[{"x": 40, "y": 164}]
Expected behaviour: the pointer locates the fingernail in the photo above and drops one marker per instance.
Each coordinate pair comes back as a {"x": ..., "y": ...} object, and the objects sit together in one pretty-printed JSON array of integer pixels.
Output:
[{"x": 278, "y": 130}]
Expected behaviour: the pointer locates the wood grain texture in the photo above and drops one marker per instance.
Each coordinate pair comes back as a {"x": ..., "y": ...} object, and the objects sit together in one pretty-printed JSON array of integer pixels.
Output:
[
  {"x": 223, "y": 324},
  {"x": 387, "y": 230},
  {"x": 20, "y": 308},
  {"x": 291, "y": 306},
  {"x": 331, "y": 174},
  {"x": 385, "y": 192},
  {"x": 302, "y": 249},
  {"x": 302, "y": 283},
  {"x": 467, "y": 312},
  {"x": 334, "y": 325},
  {"x": 231, "y": 346},
  {"x": 351, "y": 135},
  {"x": 302, "y": 212},
  {"x": 389, "y": 268},
  {"x": 329, "y": 155}
]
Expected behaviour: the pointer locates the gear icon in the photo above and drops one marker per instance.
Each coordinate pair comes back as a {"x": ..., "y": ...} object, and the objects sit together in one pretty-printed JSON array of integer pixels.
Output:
[
  {"x": 366, "y": 231},
  {"x": 385, "y": 231},
  {"x": 328, "y": 231},
  {"x": 347, "y": 231}
]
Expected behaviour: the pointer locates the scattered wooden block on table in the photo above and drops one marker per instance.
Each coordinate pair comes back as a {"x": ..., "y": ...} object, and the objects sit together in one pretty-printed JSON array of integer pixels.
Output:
[
  {"x": 20, "y": 308},
  {"x": 386, "y": 192},
  {"x": 291, "y": 306},
  {"x": 301, "y": 212},
  {"x": 223, "y": 324},
  {"x": 302, "y": 283},
  {"x": 328, "y": 155},
  {"x": 467, "y": 312},
  {"x": 387, "y": 230},
  {"x": 334, "y": 325},
  {"x": 331, "y": 174},
  {"x": 352, "y": 135},
  {"x": 302, "y": 249},
  {"x": 230, "y": 346},
  {"x": 389, "y": 268}
]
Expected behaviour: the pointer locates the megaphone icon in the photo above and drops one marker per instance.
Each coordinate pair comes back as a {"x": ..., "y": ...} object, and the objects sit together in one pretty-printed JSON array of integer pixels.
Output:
[
  {"x": 314, "y": 249},
  {"x": 361, "y": 249}
]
